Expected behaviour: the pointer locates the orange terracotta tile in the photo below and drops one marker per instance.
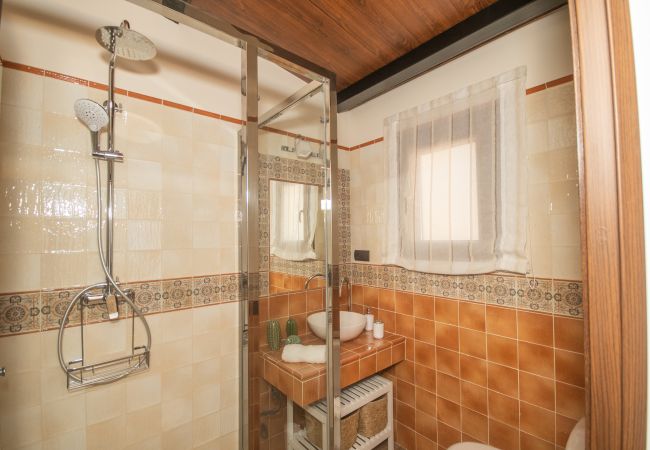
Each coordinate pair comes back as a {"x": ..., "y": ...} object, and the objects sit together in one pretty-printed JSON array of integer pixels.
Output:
[
  {"x": 404, "y": 302},
  {"x": 474, "y": 397},
  {"x": 367, "y": 366},
  {"x": 315, "y": 300},
  {"x": 425, "y": 354},
  {"x": 446, "y": 336},
  {"x": 425, "y": 425},
  {"x": 405, "y": 371},
  {"x": 537, "y": 421},
  {"x": 285, "y": 382},
  {"x": 503, "y": 408},
  {"x": 424, "y": 306},
  {"x": 535, "y": 327},
  {"x": 398, "y": 353},
  {"x": 474, "y": 425},
  {"x": 473, "y": 343},
  {"x": 404, "y": 435},
  {"x": 570, "y": 367},
  {"x": 297, "y": 303},
  {"x": 22, "y": 67},
  {"x": 564, "y": 426},
  {"x": 569, "y": 334},
  {"x": 310, "y": 391},
  {"x": 387, "y": 299},
  {"x": 473, "y": 369},
  {"x": 448, "y": 412},
  {"x": 530, "y": 442},
  {"x": 425, "y": 330},
  {"x": 446, "y": 310},
  {"x": 448, "y": 387},
  {"x": 425, "y": 378},
  {"x": 570, "y": 400},
  {"x": 388, "y": 317},
  {"x": 405, "y": 414},
  {"x": 425, "y": 401},
  {"x": 410, "y": 349},
  {"x": 536, "y": 359},
  {"x": 383, "y": 359},
  {"x": 370, "y": 297},
  {"x": 278, "y": 306},
  {"x": 502, "y": 350},
  {"x": 503, "y": 379},
  {"x": 405, "y": 325},
  {"x": 404, "y": 391},
  {"x": 472, "y": 315},
  {"x": 424, "y": 443},
  {"x": 501, "y": 321},
  {"x": 357, "y": 294},
  {"x": 349, "y": 374},
  {"x": 503, "y": 437},
  {"x": 447, "y": 435},
  {"x": 447, "y": 361},
  {"x": 536, "y": 390}
]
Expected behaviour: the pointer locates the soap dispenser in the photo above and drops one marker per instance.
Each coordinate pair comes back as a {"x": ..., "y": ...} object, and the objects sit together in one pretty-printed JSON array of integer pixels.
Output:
[{"x": 370, "y": 320}]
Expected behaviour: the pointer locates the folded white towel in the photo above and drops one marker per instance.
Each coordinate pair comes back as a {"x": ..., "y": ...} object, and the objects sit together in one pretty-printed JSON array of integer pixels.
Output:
[{"x": 294, "y": 353}]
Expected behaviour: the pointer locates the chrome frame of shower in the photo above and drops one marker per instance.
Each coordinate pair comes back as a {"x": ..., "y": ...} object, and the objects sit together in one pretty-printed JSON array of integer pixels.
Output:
[{"x": 253, "y": 47}]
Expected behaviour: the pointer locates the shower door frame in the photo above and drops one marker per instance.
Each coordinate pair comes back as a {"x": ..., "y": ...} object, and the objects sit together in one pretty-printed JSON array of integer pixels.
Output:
[{"x": 253, "y": 47}]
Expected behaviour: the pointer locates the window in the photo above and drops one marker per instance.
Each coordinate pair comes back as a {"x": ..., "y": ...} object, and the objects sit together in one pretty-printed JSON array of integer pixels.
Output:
[{"x": 455, "y": 198}]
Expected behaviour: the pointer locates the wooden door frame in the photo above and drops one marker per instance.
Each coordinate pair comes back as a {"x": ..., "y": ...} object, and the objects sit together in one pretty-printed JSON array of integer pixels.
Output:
[{"x": 612, "y": 224}]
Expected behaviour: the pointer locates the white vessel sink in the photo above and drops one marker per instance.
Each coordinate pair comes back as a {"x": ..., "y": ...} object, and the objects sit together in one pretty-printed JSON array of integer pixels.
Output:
[{"x": 352, "y": 324}]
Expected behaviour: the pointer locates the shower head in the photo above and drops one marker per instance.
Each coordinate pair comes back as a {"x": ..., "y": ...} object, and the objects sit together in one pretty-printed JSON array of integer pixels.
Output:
[
  {"x": 91, "y": 113},
  {"x": 125, "y": 43}
]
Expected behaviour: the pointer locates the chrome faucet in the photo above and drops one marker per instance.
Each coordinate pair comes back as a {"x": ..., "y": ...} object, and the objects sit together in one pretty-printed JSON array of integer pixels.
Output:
[
  {"x": 316, "y": 275},
  {"x": 347, "y": 283}
]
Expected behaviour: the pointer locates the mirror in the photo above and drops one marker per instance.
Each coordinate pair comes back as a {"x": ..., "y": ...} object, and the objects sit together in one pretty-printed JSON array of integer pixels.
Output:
[{"x": 296, "y": 235}]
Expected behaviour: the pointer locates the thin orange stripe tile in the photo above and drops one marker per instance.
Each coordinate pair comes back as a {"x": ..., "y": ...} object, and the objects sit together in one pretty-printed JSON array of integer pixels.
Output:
[
  {"x": 100, "y": 86},
  {"x": 203, "y": 112},
  {"x": 534, "y": 89},
  {"x": 23, "y": 67},
  {"x": 146, "y": 98},
  {"x": 66, "y": 78},
  {"x": 559, "y": 81},
  {"x": 233, "y": 120},
  {"x": 177, "y": 105}
]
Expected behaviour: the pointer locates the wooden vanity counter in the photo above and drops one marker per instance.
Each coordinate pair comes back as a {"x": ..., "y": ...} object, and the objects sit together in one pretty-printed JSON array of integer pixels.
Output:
[{"x": 362, "y": 357}]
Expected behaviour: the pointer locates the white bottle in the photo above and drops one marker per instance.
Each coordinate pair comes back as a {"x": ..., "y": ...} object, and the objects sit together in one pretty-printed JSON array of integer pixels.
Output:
[
  {"x": 378, "y": 330},
  {"x": 370, "y": 320}
]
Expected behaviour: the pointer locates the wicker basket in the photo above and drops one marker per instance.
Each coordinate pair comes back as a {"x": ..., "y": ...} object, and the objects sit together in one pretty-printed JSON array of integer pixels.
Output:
[
  {"x": 373, "y": 417},
  {"x": 349, "y": 426}
]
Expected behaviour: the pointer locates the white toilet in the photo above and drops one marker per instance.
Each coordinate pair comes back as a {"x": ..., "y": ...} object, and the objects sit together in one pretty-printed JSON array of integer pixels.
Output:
[{"x": 576, "y": 440}]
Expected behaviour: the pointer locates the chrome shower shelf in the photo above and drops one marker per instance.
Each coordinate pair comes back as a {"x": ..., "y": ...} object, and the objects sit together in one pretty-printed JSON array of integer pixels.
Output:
[{"x": 107, "y": 371}]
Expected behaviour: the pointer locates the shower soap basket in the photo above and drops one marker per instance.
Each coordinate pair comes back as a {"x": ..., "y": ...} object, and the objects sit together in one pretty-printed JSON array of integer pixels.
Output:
[{"x": 79, "y": 372}]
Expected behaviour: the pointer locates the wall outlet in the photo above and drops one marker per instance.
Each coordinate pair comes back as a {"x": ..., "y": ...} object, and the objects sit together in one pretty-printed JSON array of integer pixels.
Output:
[{"x": 362, "y": 255}]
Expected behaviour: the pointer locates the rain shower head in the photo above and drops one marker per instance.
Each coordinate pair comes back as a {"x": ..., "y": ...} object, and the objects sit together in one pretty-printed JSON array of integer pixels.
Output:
[
  {"x": 125, "y": 43},
  {"x": 91, "y": 113}
]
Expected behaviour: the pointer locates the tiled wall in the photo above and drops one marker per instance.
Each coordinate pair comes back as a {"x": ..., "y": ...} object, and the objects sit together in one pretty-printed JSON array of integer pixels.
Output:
[
  {"x": 187, "y": 399},
  {"x": 175, "y": 226},
  {"x": 553, "y": 197},
  {"x": 478, "y": 371},
  {"x": 494, "y": 358}
]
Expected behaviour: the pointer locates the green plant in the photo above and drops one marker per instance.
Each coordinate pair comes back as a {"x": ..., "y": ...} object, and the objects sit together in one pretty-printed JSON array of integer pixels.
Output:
[{"x": 273, "y": 334}]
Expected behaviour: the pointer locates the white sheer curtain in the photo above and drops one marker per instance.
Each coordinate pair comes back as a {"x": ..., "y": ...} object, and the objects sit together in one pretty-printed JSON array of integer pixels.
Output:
[
  {"x": 293, "y": 210},
  {"x": 456, "y": 195}
]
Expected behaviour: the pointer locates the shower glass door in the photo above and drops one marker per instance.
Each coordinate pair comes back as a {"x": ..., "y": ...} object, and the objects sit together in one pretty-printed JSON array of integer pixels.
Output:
[{"x": 289, "y": 266}]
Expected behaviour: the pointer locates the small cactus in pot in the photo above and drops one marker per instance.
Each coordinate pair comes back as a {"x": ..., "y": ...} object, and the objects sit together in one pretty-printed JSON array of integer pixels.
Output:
[
  {"x": 291, "y": 327},
  {"x": 273, "y": 334}
]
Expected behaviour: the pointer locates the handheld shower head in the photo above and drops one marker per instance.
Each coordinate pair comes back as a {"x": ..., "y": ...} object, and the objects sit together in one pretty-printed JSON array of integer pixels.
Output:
[
  {"x": 91, "y": 113},
  {"x": 125, "y": 43}
]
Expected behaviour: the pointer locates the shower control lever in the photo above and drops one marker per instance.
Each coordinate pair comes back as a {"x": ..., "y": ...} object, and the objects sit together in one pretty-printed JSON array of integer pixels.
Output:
[{"x": 111, "y": 307}]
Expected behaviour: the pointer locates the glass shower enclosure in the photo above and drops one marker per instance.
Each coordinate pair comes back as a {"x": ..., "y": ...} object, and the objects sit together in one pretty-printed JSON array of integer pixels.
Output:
[{"x": 288, "y": 240}]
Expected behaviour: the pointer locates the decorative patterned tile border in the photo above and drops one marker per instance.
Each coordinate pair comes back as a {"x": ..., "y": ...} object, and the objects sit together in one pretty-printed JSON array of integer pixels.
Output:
[
  {"x": 28, "y": 312},
  {"x": 560, "y": 297}
]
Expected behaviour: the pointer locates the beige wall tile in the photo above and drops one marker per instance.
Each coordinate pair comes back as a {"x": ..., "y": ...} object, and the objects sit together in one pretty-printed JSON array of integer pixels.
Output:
[
  {"x": 63, "y": 415},
  {"x": 21, "y": 125},
  {"x": 107, "y": 435},
  {"x": 179, "y": 438},
  {"x": 72, "y": 440},
  {"x": 206, "y": 400},
  {"x": 143, "y": 423},
  {"x": 143, "y": 391},
  {"x": 23, "y": 390},
  {"x": 176, "y": 412},
  {"x": 21, "y": 353},
  {"x": 176, "y": 383},
  {"x": 20, "y": 426},
  {"x": 144, "y": 175},
  {"x": 177, "y": 263},
  {"x": 205, "y": 429},
  {"x": 20, "y": 273},
  {"x": 105, "y": 402},
  {"x": 22, "y": 89}
]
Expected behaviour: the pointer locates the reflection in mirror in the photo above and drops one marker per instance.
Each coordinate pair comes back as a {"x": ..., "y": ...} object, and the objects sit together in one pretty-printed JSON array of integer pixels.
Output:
[{"x": 296, "y": 235}]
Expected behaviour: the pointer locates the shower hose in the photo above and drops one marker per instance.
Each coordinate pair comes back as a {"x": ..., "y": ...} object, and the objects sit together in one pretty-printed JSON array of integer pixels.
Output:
[{"x": 110, "y": 281}]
